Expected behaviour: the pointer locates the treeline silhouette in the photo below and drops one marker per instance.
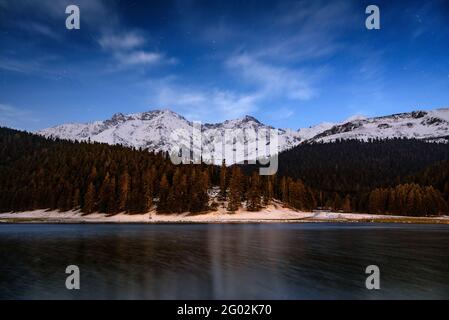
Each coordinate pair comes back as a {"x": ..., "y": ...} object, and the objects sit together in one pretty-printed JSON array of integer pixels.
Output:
[{"x": 404, "y": 177}]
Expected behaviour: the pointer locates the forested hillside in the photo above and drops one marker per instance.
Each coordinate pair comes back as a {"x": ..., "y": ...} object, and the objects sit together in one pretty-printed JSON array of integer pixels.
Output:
[
  {"x": 399, "y": 176},
  {"x": 56, "y": 174},
  {"x": 40, "y": 173},
  {"x": 405, "y": 177}
]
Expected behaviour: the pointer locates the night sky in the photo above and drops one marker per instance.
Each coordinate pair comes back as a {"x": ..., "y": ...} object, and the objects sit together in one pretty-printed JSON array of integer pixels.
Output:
[{"x": 288, "y": 63}]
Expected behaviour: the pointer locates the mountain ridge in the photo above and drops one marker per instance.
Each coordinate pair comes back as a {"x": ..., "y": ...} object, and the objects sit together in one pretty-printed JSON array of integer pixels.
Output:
[{"x": 153, "y": 130}]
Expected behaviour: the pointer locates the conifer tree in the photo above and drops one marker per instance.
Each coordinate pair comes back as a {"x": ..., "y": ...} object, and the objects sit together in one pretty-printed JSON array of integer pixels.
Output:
[
  {"x": 164, "y": 189},
  {"x": 148, "y": 189},
  {"x": 223, "y": 186},
  {"x": 75, "y": 203},
  {"x": 89, "y": 199},
  {"x": 346, "y": 206},
  {"x": 337, "y": 202},
  {"x": 284, "y": 190},
  {"x": 204, "y": 190},
  {"x": 269, "y": 194},
  {"x": 235, "y": 190},
  {"x": 123, "y": 191},
  {"x": 253, "y": 202},
  {"x": 176, "y": 192},
  {"x": 375, "y": 201},
  {"x": 106, "y": 197},
  {"x": 199, "y": 192}
]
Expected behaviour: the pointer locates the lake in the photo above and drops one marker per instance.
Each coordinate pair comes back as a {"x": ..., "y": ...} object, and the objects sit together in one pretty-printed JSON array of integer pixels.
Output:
[{"x": 224, "y": 261}]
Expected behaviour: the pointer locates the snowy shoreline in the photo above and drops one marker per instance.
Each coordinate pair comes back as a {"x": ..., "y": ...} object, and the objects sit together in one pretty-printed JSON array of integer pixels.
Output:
[{"x": 271, "y": 214}]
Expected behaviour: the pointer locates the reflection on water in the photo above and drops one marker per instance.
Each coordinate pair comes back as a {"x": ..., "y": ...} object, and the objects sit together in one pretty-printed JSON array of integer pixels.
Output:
[{"x": 266, "y": 261}]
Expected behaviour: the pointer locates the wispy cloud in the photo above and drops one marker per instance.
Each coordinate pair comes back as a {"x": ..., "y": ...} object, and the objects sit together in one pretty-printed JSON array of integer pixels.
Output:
[
  {"x": 128, "y": 48},
  {"x": 100, "y": 20},
  {"x": 319, "y": 27},
  {"x": 274, "y": 64},
  {"x": 37, "y": 42},
  {"x": 202, "y": 103},
  {"x": 273, "y": 80},
  {"x": 11, "y": 116},
  {"x": 40, "y": 29},
  {"x": 139, "y": 57},
  {"x": 42, "y": 66},
  {"x": 125, "y": 41}
]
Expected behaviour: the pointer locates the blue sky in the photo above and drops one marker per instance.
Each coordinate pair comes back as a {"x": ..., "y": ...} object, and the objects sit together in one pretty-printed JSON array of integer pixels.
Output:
[{"x": 288, "y": 63}]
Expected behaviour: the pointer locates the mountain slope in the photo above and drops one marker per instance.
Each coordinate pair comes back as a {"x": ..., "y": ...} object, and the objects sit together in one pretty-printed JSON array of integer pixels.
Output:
[{"x": 427, "y": 125}]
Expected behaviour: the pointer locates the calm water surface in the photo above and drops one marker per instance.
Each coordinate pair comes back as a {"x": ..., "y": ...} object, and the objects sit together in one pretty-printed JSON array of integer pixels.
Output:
[{"x": 242, "y": 261}]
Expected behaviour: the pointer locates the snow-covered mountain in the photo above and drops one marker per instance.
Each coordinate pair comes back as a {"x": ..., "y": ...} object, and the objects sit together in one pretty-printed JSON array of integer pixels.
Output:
[
  {"x": 430, "y": 125},
  {"x": 157, "y": 129}
]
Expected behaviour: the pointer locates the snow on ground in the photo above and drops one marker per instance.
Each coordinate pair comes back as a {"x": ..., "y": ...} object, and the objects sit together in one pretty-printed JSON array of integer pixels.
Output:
[{"x": 272, "y": 213}]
